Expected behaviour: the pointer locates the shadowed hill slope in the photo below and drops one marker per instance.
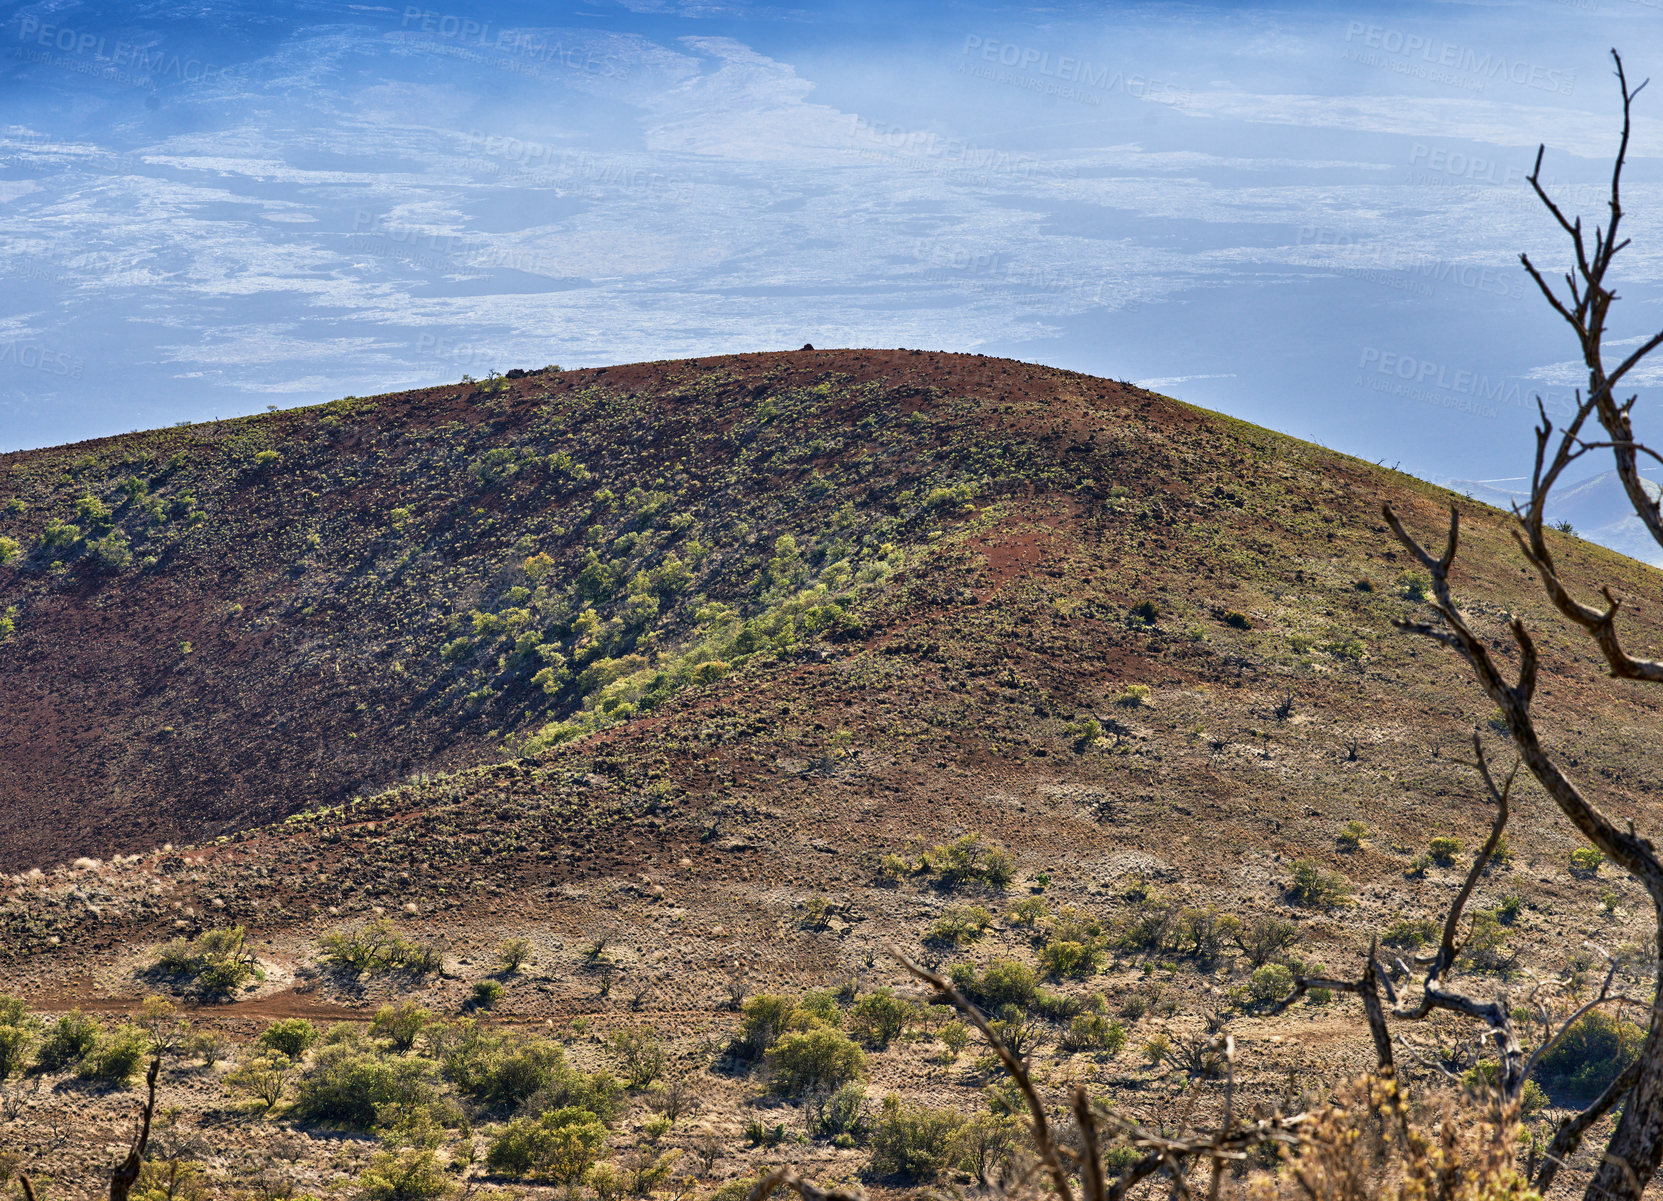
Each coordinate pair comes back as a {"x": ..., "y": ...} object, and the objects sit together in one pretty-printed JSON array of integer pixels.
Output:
[{"x": 216, "y": 625}]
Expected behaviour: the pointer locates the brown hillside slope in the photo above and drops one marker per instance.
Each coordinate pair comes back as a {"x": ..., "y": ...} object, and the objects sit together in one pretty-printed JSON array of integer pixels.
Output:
[
  {"x": 985, "y": 555},
  {"x": 275, "y": 642}
]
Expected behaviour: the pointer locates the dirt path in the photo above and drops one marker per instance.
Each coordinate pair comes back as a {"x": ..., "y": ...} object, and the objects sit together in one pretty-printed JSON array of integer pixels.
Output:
[{"x": 290, "y": 1004}]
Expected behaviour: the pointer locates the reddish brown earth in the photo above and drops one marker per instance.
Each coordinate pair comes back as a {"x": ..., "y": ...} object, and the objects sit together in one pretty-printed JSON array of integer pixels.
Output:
[{"x": 696, "y": 831}]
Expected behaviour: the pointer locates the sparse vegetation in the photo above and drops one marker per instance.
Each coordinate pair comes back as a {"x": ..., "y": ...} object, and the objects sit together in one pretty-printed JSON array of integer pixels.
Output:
[
  {"x": 377, "y": 947},
  {"x": 1586, "y": 861},
  {"x": 1595, "y": 1050},
  {"x": 1320, "y": 889},
  {"x": 817, "y": 1058},
  {"x": 970, "y": 861},
  {"x": 1444, "y": 851},
  {"x": 217, "y": 962}
]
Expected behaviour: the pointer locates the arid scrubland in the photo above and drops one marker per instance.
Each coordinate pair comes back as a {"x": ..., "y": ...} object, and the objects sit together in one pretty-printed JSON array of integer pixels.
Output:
[{"x": 899, "y": 770}]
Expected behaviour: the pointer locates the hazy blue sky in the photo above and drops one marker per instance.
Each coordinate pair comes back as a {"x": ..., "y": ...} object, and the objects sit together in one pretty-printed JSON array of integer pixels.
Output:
[{"x": 1304, "y": 215}]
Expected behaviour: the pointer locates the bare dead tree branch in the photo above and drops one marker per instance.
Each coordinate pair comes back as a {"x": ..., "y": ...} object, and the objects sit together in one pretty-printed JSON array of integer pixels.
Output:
[
  {"x": 1368, "y": 989},
  {"x": 804, "y": 1188},
  {"x": 1568, "y": 1138},
  {"x": 1044, "y": 1142},
  {"x": 127, "y": 1173},
  {"x": 1635, "y": 1149}
]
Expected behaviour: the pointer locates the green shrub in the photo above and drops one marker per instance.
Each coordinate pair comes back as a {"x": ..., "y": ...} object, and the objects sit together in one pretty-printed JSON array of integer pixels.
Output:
[
  {"x": 514, "y": 954},
  {"x": 880, "y": 1017},
  {"x": 1263, "y": 937},
  {"x": 1595, "y": 1051},
  {"x": 1083, "y": 734},
  {"x": 643, "y": 1056},
  {"x": 561, "y": 1145},
  {"x": 1485, "y": 947},
  {"x": 1412, "y": 933},
  {"x": 610, "y": 1182},
  {"x": 766, "y": 1017},
  {"x": 9, "y": 550},
  {"x": 290, "y": 1037},
  {"x": 1150, "y": 924},
  {"x": 112, "y": 552},
  {"x": 1351, "y": 836},
  {"x": 15, "y": 1040},
  {"x": 377, "y": 947},
  {"x": 954, "y": 1036},
  {"x": 69, "y": 1040},
  {"x": 914, "y": 1142},
  {"x": 400, "y": 1023},
  {"x": 264, "y": 1077},
  {"x": 486, "y": 994},
  {"x": 404, "y": 1174},
  {"x": 1065, "y": 957},
  {"x": 842, "y": 1112},
  {"x": 1156, "y": 1049},
  {"x": 952, "y": 496},
  {"x": 1133, "y": 695},
  {"x": 502, "y": 1071},
  {"x": 1444, "y": 851},
  {"x": 822, "y": 1006},
  {"x": 1029, "y": 911},
  {"x": 1237, "y": 620},
  {"x": 1345, "y": 648},
  {"x": 969, "y": 860},
  {"x": 959, "y": 925},
  {"x": 347, "y": 1085},
  {"x": 59, "y": 534},
  {"x": 1270, "y": 983},
  {"x": 1003, "y": 982},
  {"x": 90, "y": 511},
  {"x": 1586, "y": 861},
  {"x": 218, "y": 962},
  {"x": 1320, "y": 889},
  {"x": 116, "y": 1055},
  {"x": 817, "y": 1058},
  {"x": 1095, "y": 1032},
  {"x": 892, "y": 869}
]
